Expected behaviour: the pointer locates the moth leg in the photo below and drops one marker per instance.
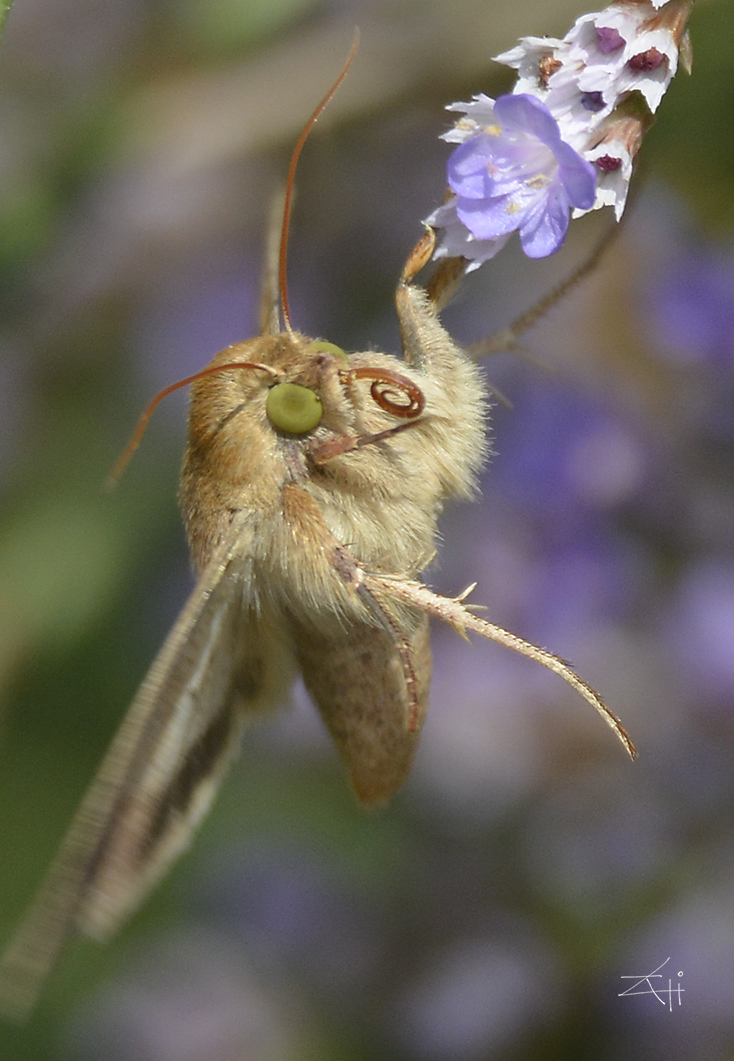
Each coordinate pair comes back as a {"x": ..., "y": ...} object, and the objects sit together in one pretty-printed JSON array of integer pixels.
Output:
[
  {"x": 366, "y": 662},
  {"x": 349, "y": 570},
  {"x": 455, "y": 391},
  {"x": 403, "y": 648},
  {"x": 458, "y": 615},
  {"x": 448, "y": 274},
  {"x": 445, "y": 280},
  {"x": 336, "y": 447}
]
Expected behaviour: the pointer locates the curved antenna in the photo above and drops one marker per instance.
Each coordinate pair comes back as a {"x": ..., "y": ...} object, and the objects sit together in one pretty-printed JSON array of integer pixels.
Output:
[
  {"x": 124, "y": 459},
  {"x": 283, "y": 267}
]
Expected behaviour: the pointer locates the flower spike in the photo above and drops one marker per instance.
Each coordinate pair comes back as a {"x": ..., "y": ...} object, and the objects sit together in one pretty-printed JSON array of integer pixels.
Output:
[{"x": 564, "y": 141}]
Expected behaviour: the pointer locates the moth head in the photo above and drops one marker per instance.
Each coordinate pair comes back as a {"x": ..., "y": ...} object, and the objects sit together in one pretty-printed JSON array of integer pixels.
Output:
[
  {"x": 297, "y": 407},
  {"x": 308, "y": 390},
  {"x": 298, "y": 385},
  {"x": 306, "y": 384}
]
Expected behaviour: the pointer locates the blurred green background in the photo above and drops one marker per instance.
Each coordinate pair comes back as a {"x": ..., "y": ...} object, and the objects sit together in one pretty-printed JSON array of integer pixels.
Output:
[{"x": 492, "y": 910}]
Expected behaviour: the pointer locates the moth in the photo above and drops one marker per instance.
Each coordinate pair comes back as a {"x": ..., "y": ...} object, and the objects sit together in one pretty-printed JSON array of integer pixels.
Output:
[{"x": 311, "y": 487}]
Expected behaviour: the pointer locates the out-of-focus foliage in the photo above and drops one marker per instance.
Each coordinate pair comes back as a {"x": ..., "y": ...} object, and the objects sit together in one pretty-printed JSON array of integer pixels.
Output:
[{"x": 492, "y": 910}]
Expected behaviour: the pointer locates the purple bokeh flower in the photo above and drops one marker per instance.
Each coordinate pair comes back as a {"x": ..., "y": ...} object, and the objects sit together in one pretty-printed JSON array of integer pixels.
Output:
[
  {"x": 519, "y": 175},
  {"x": 693, "y": 304},
  {"x": 700, "y": 627}
]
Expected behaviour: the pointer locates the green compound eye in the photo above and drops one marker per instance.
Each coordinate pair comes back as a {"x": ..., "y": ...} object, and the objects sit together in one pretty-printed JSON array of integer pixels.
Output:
[
  {"x": 294, "y": 408},
  {"x": 320, "y": 345}
]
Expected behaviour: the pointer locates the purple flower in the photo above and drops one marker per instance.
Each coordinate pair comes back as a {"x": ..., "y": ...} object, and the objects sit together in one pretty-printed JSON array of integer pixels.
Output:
[
  {"x": 519, "y": 175},
  {"x": 693, "y": 304},
  {"x": 609, "y": 39}
]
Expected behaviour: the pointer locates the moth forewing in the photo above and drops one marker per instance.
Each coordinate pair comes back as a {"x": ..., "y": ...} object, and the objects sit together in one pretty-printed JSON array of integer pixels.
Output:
[{"x": 215, "y": 670}]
